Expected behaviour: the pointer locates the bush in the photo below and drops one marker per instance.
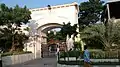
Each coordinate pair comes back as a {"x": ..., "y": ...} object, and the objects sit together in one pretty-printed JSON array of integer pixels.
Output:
[
  {"x": 104, "y": 55},
  {"x": 6, "y": 54},
  {"x": 71, "y": 54},
  {"x": 93, "y": 54},
  {"x": 71, "y": 62},
  {"x": 14, "y": 53},
  {"x": 82, "y": 62}
]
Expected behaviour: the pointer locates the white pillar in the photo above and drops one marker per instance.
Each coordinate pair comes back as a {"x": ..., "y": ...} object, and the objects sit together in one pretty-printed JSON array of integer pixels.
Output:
[
  {"x": 108, "y": 11},
  {"x": 39, "y": 43}
]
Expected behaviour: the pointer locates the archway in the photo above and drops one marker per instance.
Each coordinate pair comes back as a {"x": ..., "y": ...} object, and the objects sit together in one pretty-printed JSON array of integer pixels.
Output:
[
  {"x": 48, "y": 48},
  {"x": 46, "y": 19}
]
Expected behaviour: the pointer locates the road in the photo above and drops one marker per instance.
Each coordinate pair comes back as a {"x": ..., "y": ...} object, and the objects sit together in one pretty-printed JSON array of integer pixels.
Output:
[
  {"x": 43, "y": 62},
  {"x": 50, "y": 61}
]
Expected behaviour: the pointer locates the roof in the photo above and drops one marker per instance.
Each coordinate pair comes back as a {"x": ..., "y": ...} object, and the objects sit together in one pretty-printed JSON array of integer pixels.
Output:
[
  {"x": 109, "y": 1},
  {"x": 54, "y": 7}
]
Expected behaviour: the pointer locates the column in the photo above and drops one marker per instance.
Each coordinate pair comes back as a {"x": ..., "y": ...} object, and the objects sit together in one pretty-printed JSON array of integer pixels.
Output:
[{"x": 108, "y": 11}]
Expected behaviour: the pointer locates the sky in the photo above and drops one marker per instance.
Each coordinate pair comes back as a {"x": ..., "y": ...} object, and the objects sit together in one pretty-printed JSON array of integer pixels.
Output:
[{"x": 37, "y": 3}]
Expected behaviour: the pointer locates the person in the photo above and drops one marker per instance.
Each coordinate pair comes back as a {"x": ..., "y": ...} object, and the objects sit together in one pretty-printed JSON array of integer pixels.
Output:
[
  {"x": 57, "y": 49},
  {"x": 49, "y": 48},
  {"x": 86, "y": 57}
]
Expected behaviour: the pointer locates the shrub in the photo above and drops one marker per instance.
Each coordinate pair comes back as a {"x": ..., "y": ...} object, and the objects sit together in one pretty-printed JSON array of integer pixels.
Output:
[
  {"x": 82, "y": 62},
  {"x": 93, "y": 54},
  {"x": 70, "y": 54},
  {"x": 14, "y": 53}
]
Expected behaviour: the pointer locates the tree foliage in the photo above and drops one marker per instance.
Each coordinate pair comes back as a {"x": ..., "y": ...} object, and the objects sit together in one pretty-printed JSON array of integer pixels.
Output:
[
  {"x": 58, "y": 36},
  {"x": 90, "y": 12},
  {"x": 68, "y": 29},
  {"x": 108, "y": 36},
  {"x": 16, "y": 15},
  {"x": 11, "y": 20}
]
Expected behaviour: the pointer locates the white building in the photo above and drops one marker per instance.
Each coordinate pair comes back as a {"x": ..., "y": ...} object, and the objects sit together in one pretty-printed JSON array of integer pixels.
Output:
[{"x": 47, "y": 18}]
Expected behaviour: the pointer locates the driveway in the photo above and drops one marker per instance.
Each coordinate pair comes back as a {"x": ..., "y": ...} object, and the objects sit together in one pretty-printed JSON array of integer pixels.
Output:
[{"x": 43, "y": 62}]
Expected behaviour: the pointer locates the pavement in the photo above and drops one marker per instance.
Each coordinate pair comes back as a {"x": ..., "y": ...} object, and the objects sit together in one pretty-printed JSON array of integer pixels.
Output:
[
  {"x": 43, "y": 62},
  {"x": 50, "y": 61}
]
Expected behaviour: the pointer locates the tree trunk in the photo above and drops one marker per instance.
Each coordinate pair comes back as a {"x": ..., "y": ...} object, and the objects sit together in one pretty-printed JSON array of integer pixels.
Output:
[
  {"x": 13, "y": 44},
  {"x": 13, "y": 39},
  {"x": 12, "y": 48}
]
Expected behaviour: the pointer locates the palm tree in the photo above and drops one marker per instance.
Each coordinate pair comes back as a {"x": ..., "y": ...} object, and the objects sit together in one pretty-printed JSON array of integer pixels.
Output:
[
  {"x": 6, "y": 39},
  {"x": 68, "y": 29},
  {"x": 106, "y": 34}
]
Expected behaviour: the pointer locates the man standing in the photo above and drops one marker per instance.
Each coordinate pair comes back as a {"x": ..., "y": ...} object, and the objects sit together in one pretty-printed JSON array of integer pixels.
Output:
[{"x": 86, "y": 57}]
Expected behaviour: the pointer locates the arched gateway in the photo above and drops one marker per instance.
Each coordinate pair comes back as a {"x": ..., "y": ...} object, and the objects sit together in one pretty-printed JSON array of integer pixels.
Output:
[{"x": 44, "y": 19}]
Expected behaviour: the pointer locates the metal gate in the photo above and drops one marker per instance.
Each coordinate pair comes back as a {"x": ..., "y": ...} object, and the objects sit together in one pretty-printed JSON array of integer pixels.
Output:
[{"x": 46, "y": 51}]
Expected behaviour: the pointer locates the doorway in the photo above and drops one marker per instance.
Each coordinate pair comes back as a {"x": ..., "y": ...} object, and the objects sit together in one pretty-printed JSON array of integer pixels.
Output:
[{"x": 52, "y": 48}]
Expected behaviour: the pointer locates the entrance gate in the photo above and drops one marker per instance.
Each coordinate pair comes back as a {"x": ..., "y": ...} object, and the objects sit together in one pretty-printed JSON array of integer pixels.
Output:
[
  {"x": 48, "y": 50},
  {"x": 47, "y": 18}
]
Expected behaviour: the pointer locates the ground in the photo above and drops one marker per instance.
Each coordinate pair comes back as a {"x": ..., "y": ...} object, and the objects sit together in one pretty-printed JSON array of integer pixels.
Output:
[
  {"x": 44, "y": 62},
  {"x": 48, "y": 62}
]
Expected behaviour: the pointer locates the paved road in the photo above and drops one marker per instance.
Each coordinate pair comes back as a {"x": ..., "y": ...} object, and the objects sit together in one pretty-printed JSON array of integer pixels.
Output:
[{"x": 44, "y": 62}]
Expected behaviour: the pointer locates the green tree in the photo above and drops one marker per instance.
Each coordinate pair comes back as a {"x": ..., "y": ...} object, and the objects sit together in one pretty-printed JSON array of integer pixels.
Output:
[
  {"x": 6, "y": 38},
  {"x": 20, "y": 39},
  {"x": 58, "y": 36},
  {"x": 68, "y": 29},
  {"x": 107, "y": 36},
  {"x": 90, "y": 12},
  {"x": 14, "y": 17}
]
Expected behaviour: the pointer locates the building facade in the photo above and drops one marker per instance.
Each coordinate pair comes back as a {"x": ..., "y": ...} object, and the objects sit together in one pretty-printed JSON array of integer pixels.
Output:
[{"x": 47, "y": 18}]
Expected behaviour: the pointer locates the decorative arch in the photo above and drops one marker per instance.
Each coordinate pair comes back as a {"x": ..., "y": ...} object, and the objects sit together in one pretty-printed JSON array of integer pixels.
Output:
[{"x": 46, "y": 27}]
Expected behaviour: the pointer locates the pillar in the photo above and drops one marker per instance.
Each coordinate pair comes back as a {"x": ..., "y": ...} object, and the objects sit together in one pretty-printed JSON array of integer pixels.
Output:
[{"x": 108, "y": 11}]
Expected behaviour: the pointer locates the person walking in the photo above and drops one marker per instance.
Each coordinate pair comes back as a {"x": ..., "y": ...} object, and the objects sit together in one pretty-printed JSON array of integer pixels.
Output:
[
  {"x": 87, "y": 61},
  {"x": 58, "y": 48}
]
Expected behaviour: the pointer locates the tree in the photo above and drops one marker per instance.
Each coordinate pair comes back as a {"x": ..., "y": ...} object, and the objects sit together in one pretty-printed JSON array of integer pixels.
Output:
[
  {"x": 16, "y": 15},
  {"x": 90, "y": 12},
  {"x": 58, "y": 36},
  {"x": 20, "y": 39},
  {"x": 68, "y": 29},
  {"x": 108, "y": 36},
  {"x": 13, "y": 18},
  {"x": 5, "y": 38}
]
